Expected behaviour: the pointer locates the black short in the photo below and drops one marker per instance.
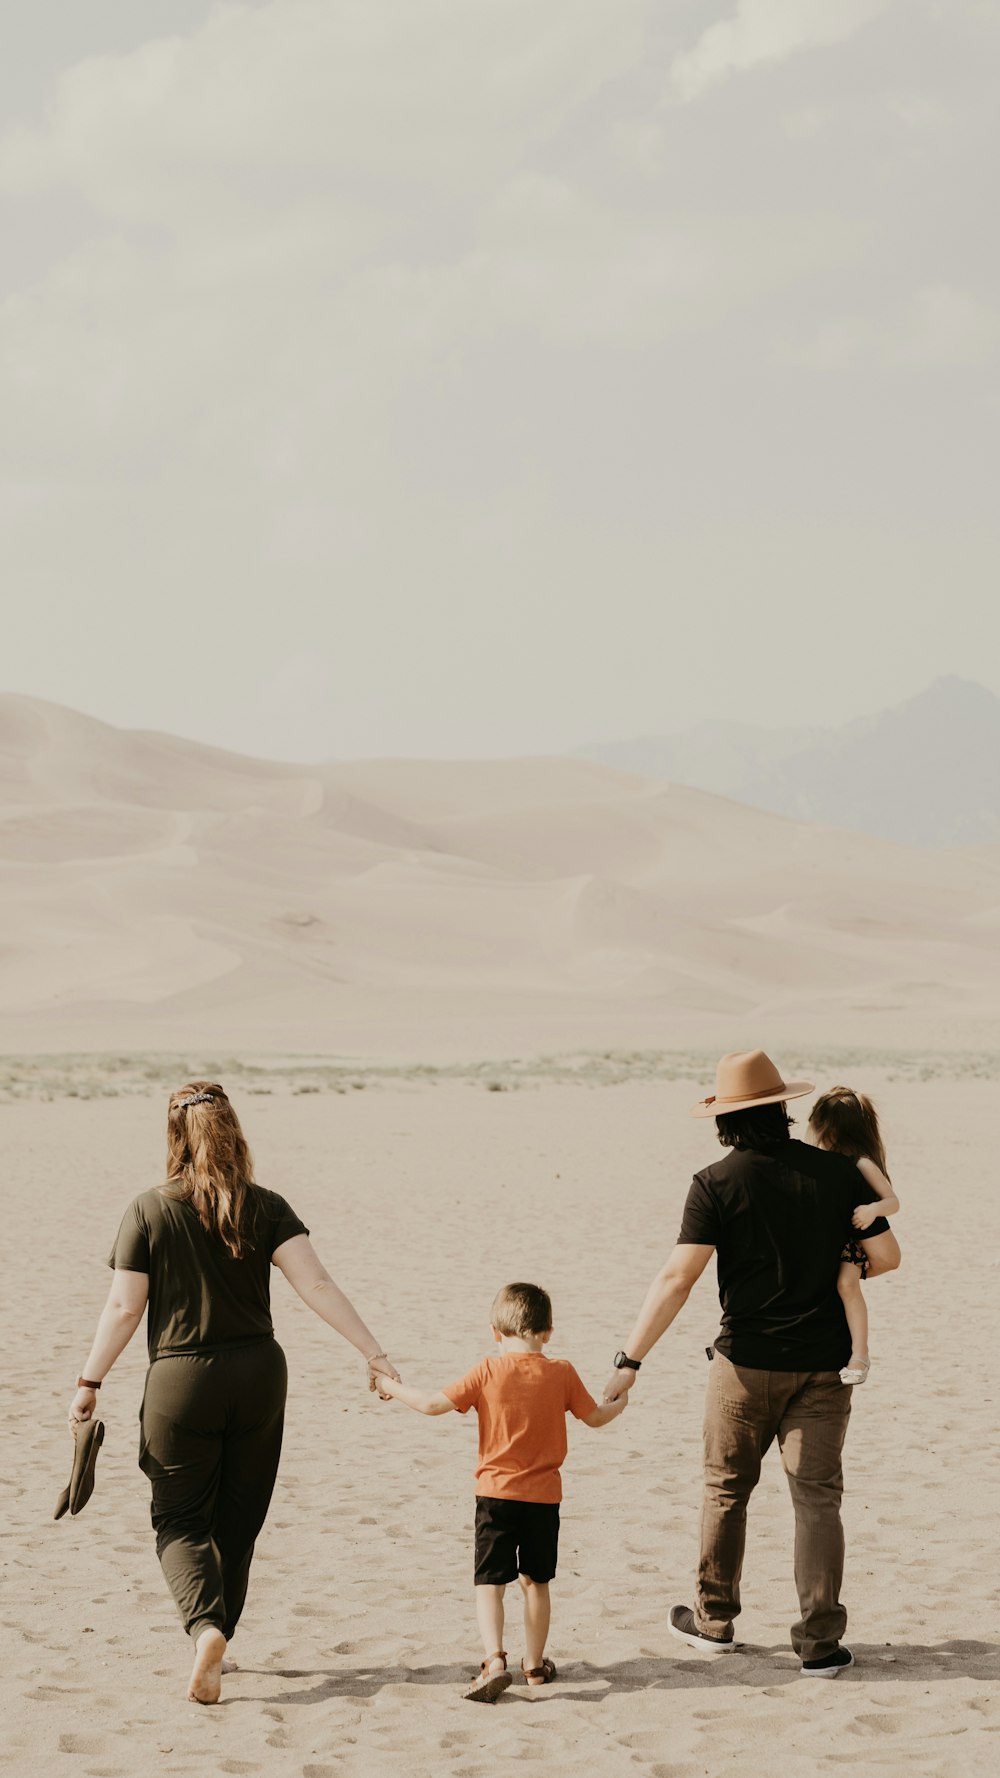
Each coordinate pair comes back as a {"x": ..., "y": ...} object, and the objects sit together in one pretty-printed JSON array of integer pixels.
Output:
[{"x": 515, "y": 1537}]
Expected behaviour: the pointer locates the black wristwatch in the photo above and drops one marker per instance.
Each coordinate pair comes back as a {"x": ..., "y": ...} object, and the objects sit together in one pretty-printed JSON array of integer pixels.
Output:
[{"x": 624, "y": 1363}]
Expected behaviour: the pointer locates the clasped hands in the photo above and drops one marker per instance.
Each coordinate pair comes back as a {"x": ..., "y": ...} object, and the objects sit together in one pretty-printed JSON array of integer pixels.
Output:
[
  {"x": 380, "y": 1366},
  {"x": 618, "y": 1384}
]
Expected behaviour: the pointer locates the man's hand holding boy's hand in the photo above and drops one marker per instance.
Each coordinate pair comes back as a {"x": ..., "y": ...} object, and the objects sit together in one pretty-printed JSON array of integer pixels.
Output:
[{"x": 618, "y": 1385}]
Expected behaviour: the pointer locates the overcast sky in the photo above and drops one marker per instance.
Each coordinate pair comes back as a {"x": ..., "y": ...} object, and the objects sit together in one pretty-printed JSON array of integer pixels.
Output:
[{"x": 487, "y": 376}]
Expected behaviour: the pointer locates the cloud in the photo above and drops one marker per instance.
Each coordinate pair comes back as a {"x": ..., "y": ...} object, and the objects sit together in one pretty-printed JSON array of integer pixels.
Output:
[
  {"x": 766, "y": 31},
  {"x": 295, "y": 92},
  {"x": 941, "y": 328},
  {"x": 302, "y": 209},
  {"x": 554, "y": 263},
  {"x": 944, "y": 329},
  {"x": 346, "y": 327}
]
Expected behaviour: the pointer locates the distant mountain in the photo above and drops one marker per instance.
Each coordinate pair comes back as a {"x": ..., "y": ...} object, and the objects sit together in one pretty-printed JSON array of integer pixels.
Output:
[
  {"x": 926, "y": 772},
  {"x": 718, "y": 756}
]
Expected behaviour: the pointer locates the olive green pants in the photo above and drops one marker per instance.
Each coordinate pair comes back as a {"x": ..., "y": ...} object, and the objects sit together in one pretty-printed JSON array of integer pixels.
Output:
[{"x": 210, "y": 1440}]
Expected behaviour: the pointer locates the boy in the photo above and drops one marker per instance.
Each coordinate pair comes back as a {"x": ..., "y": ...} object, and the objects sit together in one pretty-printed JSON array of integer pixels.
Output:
[{"x": 522, "y": 1399}]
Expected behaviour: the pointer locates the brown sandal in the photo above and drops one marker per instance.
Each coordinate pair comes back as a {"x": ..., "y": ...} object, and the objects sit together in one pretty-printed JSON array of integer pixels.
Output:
[
  {"x": 543, "y": 1675},
  {"x": 487, "y": 1687}
]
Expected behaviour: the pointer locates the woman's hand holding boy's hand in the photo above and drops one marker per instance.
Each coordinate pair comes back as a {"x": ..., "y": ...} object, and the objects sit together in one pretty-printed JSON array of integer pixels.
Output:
[{"x": 380, "y": 1366}]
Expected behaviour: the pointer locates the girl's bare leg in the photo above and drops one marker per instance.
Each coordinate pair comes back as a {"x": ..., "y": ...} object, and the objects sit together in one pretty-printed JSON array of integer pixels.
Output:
[
  {"x": 489, "y": 1612},
  {"x": 856, "y": 1309},
  {"x": 537, "y": 1613}
]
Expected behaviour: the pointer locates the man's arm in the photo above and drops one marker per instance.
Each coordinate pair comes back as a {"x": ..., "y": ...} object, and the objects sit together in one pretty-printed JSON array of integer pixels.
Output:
[
  {"x": 665, "y": 1298},
  {"x": 883, "y": 1254}
]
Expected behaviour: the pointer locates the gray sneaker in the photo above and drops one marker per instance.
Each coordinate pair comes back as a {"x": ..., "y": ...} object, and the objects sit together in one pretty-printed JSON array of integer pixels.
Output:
[{"x": 682, "y": 1625}]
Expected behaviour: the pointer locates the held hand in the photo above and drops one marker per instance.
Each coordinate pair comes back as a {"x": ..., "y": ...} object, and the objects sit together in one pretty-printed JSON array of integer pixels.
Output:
[
  {"x": 82, "y": 1408},
  {"x": 865, "y": 1215},
  {"x": 381, "y": 1367},
  {"x": 618, "y": 1385},
  {"x": 381, "y": 1385}
]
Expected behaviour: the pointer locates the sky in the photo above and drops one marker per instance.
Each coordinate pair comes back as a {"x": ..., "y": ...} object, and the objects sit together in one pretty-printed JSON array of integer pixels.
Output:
[{"x": 474, "y": 377}]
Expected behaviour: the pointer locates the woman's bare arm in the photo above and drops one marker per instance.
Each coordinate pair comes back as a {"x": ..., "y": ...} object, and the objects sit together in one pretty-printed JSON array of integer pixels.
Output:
[
  {"x": 120, "y": 1316},
  {"x": 310, "y": 1280}
]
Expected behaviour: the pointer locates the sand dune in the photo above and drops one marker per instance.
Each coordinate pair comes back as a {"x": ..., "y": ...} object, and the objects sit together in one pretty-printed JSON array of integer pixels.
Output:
[{"x": 145, "y": 873}]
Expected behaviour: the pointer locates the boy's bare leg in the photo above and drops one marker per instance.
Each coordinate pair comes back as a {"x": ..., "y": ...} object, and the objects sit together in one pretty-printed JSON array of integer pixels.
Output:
[
  {"x": 855, "y": 1308},
  {"x": 489, "y": 1612},
  {"x": 537, "y": 1613}
]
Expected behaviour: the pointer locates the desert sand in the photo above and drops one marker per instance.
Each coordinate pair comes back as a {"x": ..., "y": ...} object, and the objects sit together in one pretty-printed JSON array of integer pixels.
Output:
[
  {"x": 359, "y": 1634},
  {"x": 462, "y": 1008}
]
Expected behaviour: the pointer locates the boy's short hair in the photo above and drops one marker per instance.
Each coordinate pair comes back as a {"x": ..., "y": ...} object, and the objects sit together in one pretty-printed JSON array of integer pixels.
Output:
[{"x": 521, "y": 1309}]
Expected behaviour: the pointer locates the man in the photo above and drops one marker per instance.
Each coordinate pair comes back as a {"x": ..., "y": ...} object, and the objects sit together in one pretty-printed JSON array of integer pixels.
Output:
[{"x": 777, "y": 1213}]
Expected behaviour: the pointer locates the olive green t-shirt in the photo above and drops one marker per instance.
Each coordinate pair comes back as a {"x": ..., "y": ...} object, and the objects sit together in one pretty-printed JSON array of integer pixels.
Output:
[{"x": 200, "y": 1297}]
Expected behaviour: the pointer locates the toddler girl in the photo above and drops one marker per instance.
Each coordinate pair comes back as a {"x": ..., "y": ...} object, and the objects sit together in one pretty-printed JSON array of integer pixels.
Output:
[{"x": 845, "y": 1121}]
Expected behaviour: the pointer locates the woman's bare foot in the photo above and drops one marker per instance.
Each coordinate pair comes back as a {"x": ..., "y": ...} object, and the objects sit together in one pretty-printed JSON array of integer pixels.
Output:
[
  {"x": 230, "y": 1666},
  {"x": 206, "y": 1674}
]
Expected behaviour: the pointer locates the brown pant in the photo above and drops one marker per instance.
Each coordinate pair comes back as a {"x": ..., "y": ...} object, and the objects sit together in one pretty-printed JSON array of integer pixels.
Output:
[{"x": 745, "y": 1411}]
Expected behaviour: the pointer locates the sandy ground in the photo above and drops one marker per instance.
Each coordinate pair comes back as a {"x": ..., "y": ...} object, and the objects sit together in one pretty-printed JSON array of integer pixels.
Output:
[{"x": 359, "y": 1632}]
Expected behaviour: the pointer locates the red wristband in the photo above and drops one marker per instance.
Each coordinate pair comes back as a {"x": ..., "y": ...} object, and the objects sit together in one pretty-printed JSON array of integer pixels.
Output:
[{"x": 85, "y": 1383}]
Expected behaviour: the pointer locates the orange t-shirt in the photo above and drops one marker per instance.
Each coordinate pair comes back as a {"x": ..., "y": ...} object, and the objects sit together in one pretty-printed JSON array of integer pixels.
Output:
[{"x": 522, "y": 1399}]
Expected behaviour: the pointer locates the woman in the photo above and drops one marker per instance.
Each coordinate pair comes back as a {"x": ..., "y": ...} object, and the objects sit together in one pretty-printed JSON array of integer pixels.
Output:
[{"x": 198, "y": 1251}]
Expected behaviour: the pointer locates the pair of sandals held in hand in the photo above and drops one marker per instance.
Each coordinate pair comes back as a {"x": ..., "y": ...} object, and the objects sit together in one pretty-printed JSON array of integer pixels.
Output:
[{"x": 87, "y": 1441}]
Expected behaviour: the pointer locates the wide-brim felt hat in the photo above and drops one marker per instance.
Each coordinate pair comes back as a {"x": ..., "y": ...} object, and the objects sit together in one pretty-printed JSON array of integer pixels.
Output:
[
  {"x": 746, "y": 1078},
  {"x": 86, "y": 1444}
]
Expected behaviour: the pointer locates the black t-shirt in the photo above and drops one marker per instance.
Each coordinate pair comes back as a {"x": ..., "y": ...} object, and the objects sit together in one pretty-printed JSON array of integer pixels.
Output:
[
  {"x": 778, "y": 1221},
  {"x": 200, "y": 1297}
]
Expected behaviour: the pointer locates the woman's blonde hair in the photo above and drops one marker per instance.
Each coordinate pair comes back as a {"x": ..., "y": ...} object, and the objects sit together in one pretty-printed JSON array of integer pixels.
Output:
[
  {"x": 209, "y": 1164},
  {"x": 847, "y": 1122}
]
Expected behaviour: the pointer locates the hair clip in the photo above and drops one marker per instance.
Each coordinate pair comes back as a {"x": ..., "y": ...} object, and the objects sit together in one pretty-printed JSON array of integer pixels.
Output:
[{"x": 198, "y": 1099}]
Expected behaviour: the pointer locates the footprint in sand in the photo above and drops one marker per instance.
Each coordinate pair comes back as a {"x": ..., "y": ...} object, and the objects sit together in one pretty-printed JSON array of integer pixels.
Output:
[
  {"x": 874, "y": 1725},
  {"x": 82, "y": 1744}
]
